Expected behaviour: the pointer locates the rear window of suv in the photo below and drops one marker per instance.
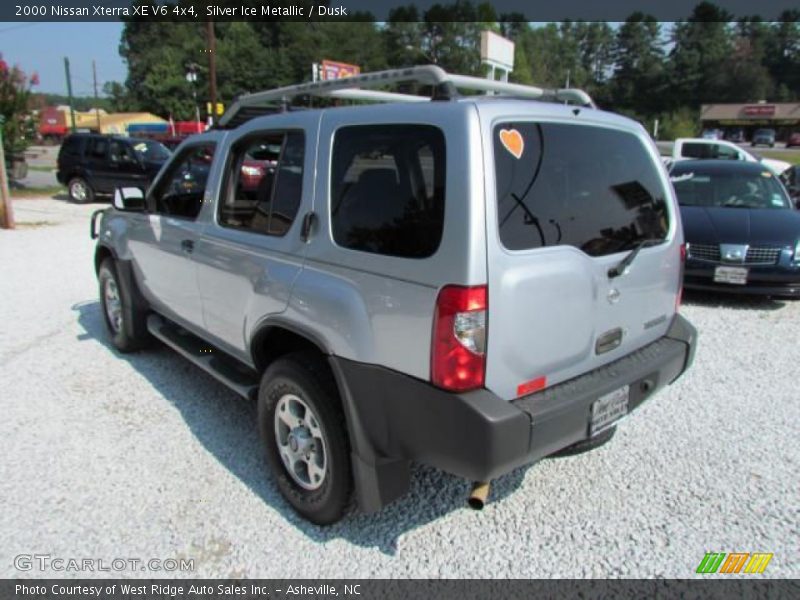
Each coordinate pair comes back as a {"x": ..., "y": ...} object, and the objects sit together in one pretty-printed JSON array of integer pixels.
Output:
[{"x": 593, "y": 188}]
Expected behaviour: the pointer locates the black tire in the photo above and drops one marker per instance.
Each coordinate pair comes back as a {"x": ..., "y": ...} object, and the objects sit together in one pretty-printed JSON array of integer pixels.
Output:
[
  {"x": 130, "y": 333},
  {"x": 306, "y": 377},
  {"x": 588, "y": 444},
  {"x": 80, "y": 191}
]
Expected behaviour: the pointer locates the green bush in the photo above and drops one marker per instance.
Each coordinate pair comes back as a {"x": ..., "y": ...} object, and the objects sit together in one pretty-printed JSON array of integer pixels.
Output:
[{"x": 681, "y": 123}]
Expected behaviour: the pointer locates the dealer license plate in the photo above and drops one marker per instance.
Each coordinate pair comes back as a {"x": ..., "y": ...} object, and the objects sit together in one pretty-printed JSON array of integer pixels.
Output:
[
  {"x": 609, "y": 409},
  {"x": 735, "y": 275}
]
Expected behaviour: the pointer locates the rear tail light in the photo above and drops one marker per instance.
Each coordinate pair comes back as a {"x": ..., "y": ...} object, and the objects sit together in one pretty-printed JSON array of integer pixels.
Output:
[
  {"x": 458, "y": 348},
  {"x": 679, "y": 298}
]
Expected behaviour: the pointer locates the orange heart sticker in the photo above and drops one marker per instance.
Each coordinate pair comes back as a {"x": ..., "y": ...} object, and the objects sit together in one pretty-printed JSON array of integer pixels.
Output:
[{"x": 513, "y": 142}]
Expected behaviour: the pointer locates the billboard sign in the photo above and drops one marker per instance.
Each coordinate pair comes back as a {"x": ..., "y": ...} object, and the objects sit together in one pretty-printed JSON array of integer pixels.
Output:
[
  {"x": 760, "y": 110},
  {"x": 330, "y": 69},
  {"x": 497, "y": 50}
]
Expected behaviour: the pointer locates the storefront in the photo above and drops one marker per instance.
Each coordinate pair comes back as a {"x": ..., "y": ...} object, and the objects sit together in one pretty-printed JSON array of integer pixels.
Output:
[{"x": 783, "y": 117}]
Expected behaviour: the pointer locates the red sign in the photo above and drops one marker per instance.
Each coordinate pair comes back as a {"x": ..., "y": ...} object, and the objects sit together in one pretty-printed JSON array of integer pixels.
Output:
[
  {"x": 760, "y": 110},
  {"x": 337, "y": 70}
]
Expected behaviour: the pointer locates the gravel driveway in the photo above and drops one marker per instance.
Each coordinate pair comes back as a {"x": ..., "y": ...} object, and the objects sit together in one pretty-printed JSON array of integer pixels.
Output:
[{"x": 146, "y": 456}]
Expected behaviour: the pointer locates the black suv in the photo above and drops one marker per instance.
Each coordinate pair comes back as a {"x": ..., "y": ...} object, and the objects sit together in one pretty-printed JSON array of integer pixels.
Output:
[{"x": 90, "y": 164}]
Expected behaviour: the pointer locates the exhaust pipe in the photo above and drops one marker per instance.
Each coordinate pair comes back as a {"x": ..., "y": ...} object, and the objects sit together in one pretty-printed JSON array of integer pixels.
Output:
[{"x": 478, "y": 495}]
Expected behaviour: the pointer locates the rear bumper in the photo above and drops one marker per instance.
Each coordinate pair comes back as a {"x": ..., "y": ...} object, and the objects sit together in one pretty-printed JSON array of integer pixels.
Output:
[{"x": 394, "y": 418}]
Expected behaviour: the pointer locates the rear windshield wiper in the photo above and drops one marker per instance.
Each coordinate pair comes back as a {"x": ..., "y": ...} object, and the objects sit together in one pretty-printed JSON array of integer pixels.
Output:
[{"x": 620, "y": 268}]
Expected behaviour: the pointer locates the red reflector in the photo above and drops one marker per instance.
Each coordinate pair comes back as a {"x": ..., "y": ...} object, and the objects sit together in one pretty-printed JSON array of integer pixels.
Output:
[{"x": 534, "y": 385}]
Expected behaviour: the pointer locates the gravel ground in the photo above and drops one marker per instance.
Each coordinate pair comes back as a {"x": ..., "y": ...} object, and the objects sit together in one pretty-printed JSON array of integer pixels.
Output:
[{"x": 108, "y": 456}]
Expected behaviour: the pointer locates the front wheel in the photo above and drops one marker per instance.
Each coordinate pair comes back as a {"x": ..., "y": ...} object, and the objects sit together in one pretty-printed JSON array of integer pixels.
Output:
[
  {"x": 302, "y": 424},
  {"x": 126, "y": 326}
]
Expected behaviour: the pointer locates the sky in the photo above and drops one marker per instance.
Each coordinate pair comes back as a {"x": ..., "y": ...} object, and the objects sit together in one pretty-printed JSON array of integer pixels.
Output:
[{"x": 41, "y": 47}]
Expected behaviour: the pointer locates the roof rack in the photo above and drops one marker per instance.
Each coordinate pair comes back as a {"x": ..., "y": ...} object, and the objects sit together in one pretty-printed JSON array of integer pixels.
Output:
[{"x": 445, "y": 87}]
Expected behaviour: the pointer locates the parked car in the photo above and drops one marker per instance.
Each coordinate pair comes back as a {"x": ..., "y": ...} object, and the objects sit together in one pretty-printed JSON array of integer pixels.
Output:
[
  {"x": 791, "y": 179},
  {"x": 696, "y": 148},
  {"x": 735, "y": 135},
  {"x": 794, "y": 139},
  {"x": 473, "y": 283},
  {"x": 742, "y": 231},
  {"x": 92, "y": 164},
  {"x": 711, "y": 134},
  {"x": 763, "y": 137}
]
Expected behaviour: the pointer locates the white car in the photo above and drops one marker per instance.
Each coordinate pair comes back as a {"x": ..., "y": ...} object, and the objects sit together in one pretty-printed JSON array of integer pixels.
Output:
[{"x": 699, "y": 148}]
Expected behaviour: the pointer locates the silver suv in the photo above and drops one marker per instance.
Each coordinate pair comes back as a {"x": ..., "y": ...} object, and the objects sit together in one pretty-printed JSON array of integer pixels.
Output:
[{"x": 470, "y": 282}]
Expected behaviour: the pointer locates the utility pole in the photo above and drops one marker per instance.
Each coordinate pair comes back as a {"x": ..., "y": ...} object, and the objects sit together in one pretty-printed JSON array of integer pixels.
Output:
[
  {"x": 212, "y": 67},
  {"x": 6, "y": 212},
  {"x": 69, "y": 94},
  {"x": 191, "y": 77},
  {"x": 96, "y": 107}
]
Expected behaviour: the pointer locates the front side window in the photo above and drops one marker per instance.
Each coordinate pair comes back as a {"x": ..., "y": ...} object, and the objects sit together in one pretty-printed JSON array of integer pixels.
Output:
[
  {"x": 265, "y": 184},
  {"x": 180, "y": 192},
  {"x": 388, "y": 188},
  {"x": 120, "y": 152},
  {"x": 151, "y": 151},
  {"x": 593, "y": 188}
]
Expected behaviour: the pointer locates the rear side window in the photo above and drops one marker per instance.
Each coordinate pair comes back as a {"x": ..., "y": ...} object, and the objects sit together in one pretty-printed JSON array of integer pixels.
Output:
[
  {"x": 265, "y": 184},
  {"x": 592, "y": 188},
  {"x": 695, "y": 150},
  {"x": 698, "y": 150},
  {"x": 387, "y": 189},
  {"x": 72, "y": 146},
  {"x": 98, "y": 148}
]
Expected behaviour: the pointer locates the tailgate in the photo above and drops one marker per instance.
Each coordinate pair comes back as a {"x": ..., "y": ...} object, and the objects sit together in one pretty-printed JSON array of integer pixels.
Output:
[{"x": 568, "y": 202}]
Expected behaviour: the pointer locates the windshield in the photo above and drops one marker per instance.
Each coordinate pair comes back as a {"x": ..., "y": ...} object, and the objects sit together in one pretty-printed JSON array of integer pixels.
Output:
[
  {"x": 150, "y": 151},
  {"x": 593, "y": 188},
  {"x": 750, "y": 189}
]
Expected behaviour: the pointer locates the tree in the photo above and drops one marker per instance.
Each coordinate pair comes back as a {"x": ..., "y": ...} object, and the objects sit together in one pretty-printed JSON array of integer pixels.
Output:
[
  {"x": 637, "y": 81},
  {"x": 702, "y": 46},
  {"x": 782, "y": 55},
  {"x": 243, "y": 63},
  {"x": 403, "y": 36},
  {"x": 746, "y": 79},
  {"x": 15, "y": 95}
]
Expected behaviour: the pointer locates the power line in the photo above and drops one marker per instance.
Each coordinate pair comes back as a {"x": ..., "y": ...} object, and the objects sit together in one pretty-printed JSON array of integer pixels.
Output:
[{"x": 12, "y": 28}]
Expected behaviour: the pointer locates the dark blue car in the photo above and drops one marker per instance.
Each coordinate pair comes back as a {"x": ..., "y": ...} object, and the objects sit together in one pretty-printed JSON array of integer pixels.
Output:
[{"x": 741, "y": 228}]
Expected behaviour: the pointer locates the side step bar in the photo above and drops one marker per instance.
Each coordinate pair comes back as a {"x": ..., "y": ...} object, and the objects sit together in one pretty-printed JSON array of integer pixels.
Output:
[{"x": 226, "y": 369}]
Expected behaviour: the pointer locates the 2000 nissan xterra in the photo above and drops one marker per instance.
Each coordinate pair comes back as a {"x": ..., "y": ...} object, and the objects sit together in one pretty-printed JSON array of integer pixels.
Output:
[{"x": 471, "y": 282}]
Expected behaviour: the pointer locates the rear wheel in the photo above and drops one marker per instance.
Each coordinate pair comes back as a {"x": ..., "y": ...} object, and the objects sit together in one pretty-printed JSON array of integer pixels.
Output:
[
  {"x": 80, "y": 191},
  {"x": 302, "y": 424},
  {"x": 588, "y": 444}
]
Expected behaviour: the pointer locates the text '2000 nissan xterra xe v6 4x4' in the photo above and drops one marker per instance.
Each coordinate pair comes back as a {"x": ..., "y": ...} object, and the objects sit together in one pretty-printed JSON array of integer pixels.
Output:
[{"x": 469, "y": 282}]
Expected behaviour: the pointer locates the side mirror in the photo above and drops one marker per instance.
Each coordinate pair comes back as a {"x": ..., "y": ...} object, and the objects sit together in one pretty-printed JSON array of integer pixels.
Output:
[{"x": 129, "y": 199}]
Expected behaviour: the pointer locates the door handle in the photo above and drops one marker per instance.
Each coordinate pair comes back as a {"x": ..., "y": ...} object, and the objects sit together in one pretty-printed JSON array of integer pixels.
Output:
[
  {"x": 308, "y": 224},
  {"x": 187, "y": 246}
]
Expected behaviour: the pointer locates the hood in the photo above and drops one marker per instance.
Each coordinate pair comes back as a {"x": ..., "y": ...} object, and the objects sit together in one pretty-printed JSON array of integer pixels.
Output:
[
  {"x": 759, "y": 227},
  {"x": 776, "y": 166}
]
